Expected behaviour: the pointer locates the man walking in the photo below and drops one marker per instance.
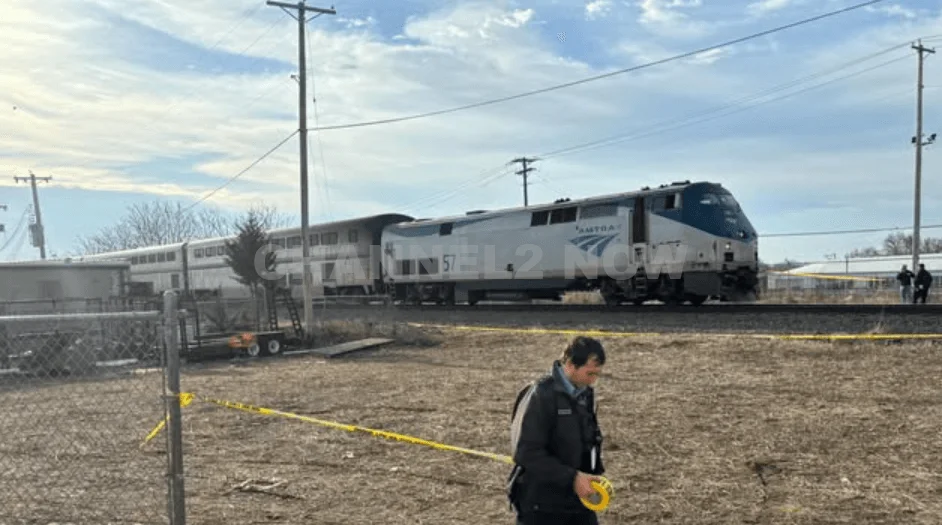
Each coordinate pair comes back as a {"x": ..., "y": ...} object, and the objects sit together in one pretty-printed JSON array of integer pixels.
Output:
[
  {"x": 905, "y": 278},
  {"x": 923, "y": 282},
  {"x": 557, "y": 442}
]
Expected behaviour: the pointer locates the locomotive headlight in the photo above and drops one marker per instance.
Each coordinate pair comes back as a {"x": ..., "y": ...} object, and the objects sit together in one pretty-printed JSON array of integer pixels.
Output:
[{"x": 729, "y": 246}]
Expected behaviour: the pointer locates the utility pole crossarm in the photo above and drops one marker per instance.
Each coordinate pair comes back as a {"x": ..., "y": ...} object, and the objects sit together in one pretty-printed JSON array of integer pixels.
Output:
[
  {"x": 302, "y": 7},
  {"x": 525, "y": 171},
  {"x": 39, "y": 238},
  {"x": 308, "y": 285}
]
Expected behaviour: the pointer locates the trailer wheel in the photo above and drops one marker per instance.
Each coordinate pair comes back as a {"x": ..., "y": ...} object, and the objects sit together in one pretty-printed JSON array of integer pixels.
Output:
[
  {"x": 254, "y": 350},
  {"x": 273, "y": 347}
]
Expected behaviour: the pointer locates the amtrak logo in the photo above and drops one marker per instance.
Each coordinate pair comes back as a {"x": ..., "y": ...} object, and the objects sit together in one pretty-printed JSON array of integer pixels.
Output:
[
  {"x": 599, "y": 229},
  {"x": 593, "y": 243}
]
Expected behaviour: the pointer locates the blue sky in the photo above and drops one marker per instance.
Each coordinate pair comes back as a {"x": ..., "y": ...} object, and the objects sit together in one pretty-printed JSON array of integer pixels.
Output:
[{"x": 129, "y": 102}]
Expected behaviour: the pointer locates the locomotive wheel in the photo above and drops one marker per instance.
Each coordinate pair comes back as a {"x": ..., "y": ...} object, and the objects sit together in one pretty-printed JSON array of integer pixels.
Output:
[{"x": 696, "y": 300}]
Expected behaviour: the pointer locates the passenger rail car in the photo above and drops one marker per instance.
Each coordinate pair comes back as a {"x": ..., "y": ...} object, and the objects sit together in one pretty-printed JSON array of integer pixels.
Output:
[
  {"x": 679, "y": 242},
  {"x": 343, "y": 261}
]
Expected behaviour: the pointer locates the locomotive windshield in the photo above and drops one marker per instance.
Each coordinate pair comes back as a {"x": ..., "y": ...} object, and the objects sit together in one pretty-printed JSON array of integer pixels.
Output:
[{"x": 724, "y": 200}]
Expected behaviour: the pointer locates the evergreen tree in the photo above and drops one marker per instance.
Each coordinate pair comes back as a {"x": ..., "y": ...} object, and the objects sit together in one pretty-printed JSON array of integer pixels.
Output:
[{"x": 250, "y": 257}]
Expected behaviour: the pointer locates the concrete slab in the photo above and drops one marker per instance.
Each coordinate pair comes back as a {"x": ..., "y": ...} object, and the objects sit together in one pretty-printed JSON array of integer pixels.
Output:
[{"x": 344, "y": 348}]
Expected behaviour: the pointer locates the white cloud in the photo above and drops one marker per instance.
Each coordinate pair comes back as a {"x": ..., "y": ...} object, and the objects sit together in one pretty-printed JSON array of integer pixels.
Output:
[
  {"x": 667, "y": 17},
  {"x": 597, "y": 9},
  {"x": 893, "y": 10},
  {"x": 767, "y": 6}
]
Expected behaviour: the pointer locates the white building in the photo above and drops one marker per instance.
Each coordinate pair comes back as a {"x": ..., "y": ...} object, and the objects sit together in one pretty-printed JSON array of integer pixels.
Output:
[
  {"x": 860, "y": 272},
  {"x": 54, "y": 285}
]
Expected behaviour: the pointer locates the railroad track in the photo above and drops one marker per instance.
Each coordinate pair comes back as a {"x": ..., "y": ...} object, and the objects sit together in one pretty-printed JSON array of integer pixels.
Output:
[
  {"x": 708, "y": 318},
  {"x": 705, "y": 309}
]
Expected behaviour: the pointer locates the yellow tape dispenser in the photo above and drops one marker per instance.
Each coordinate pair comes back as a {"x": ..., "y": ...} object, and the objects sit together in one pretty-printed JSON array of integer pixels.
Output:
[{"x": 602, "y": 497}]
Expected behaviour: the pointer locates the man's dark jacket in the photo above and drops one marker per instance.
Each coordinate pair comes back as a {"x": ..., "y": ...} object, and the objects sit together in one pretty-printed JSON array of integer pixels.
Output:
[{"x": 559, "y": 436}]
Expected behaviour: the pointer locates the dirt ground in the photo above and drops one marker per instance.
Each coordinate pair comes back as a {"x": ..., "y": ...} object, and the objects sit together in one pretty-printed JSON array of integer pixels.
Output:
[{"x": 698, "y": 430}]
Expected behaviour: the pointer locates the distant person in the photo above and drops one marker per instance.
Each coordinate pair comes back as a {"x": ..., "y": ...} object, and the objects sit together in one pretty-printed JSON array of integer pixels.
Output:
[
  {"x": 556, "y": 440},
  {"x": 905, "y": 278},
  {"x": 923, "y": 282}
]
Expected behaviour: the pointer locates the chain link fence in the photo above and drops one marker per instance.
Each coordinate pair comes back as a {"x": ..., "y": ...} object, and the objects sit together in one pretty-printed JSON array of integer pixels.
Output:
[{"x": 78, "y": 394}]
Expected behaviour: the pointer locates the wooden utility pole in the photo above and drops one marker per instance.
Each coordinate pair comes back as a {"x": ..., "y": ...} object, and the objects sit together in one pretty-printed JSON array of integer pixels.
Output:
[
  {"x": 919, "y": 143},
  {"x": 301, "y": 17},
  {"x": 526, "y": 170},
  {"x": 38, "y": 234}
]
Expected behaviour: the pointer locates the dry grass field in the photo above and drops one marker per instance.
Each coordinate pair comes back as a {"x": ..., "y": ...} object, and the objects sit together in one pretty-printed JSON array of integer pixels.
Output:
[{"x": 699, "y": 430}]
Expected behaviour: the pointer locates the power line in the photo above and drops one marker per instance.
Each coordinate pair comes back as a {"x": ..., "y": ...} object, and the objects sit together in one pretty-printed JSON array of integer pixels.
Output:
[
  {"x": 843, "y": 232},
  {"x": 237, "y": 175},
  {"x": 602, "y": 76},
  {"x": 668, "y": 125},
  {"x": 709, "y": 114}
]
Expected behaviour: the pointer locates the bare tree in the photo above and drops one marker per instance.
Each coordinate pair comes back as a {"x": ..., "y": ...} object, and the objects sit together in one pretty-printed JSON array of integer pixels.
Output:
[
  {"x": 163, "y": 222},
  {"x": 899, "y": 243}
]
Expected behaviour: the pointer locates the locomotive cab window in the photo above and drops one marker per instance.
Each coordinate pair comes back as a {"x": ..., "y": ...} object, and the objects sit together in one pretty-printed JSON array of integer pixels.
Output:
[{"x": 445, "y": 228}]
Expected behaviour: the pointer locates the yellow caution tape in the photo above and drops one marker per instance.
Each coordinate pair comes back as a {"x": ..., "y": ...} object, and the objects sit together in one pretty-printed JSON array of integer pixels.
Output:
[
  {"x": 185, "y": 400},
  {"x": 827, "y": 276},
  {"x": 605, "y": 490},
  {"x": 604, "y": 333},
  {"x": 603, "y": 487}
]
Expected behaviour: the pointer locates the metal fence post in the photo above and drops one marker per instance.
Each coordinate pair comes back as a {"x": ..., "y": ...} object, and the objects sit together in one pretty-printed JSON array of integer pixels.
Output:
[{"x": 174, "y": 427}]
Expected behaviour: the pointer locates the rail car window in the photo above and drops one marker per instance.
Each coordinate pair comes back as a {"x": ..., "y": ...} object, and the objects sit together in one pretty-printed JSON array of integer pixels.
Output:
[
  {"x": 171, "y": 256},
  {"x": 445, "y": 228},
  {"x": 329, "y": 238},
  {"x": 280, "y": 241},
  {"x": 221, "y": 250},
  {"x": 134, "y": 260},
  {"x": 353, "y": 236},
  {"x": 560, "y": 215},
  {"x": 198, "y": 253},
  {"x": 315, "y": 239},
  {"x": 152, "y": 258},
  {"x": 162, "y": 257},
  {"x": 539, "y": 218},
  {"x": 294, "y": 242},
  {"x": 405, "y": 266},
  {"x": 327, "y": 273},
  {"x": 598, "y": 210}
]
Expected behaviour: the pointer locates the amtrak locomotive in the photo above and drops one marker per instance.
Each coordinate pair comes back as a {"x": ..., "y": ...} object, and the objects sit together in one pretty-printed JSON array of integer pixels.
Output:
[{"x": 679, "y": 242}]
